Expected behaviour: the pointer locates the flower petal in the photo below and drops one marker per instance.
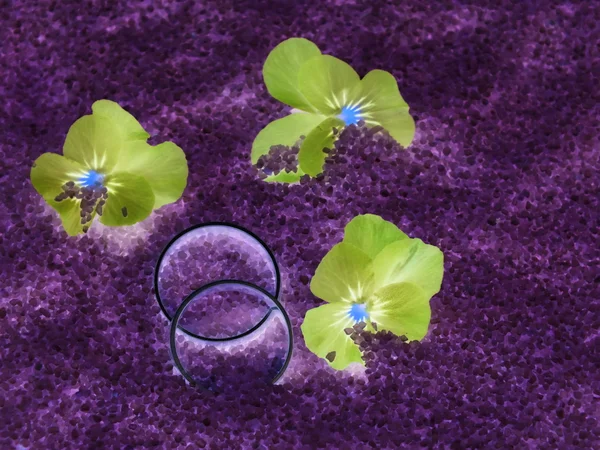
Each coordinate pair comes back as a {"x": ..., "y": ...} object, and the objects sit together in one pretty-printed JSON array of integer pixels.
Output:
[
  {"x": 311, "y": 156},
  {"x": 285, "y": 131},
  {"x": 323, "y": 330},
  {"x": 413, "y": 261},
  {"x": 378, "y": 91},
  {"x": 398, "y": 122},
  {"x": 327, "y": 83},
  {"x": 285, "y": 177},
  {"x": 69, "y": 211},
  {"x": 164, "y": 167},
  {"x": 371, "y": 234},
  {"x": 402, "y": 308},
  {"x": 95, "y": 142},
  {"x": 130, "y": 128},
  {"x": 130, "y": 199},
  {"x": 51, "y": 171},
  {"x": 280, "y": 71},
  {"x": 344, "y": 275}
]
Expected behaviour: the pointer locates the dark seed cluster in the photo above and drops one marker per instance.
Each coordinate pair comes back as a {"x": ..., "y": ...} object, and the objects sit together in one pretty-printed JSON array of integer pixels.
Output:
[
  {"x": 280, "y": 157},
  {"x": 502, "y": 176},
  {"x": 91, "y": 198}
]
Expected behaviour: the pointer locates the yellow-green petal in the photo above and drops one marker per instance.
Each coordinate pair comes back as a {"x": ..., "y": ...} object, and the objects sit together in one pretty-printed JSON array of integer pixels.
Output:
[
  {"x": 311, "y": 157},
  {"x": 130, "y": 199},
  {"x": 371, "y": 234},
  {"x": 164, "y": 167},
  {"x": 69, "y": 211},
  {"x": 327, "y": 82},
  {"x": 344, "y": 275},
  {"x": 129, "y": 126},
  {"x": 378, "y": 91},
  {"x": 410, "y": 260},
  {"x": 95, "y": 142},
  {"x": 398, "y": 122},
  {"x": 280, "y": 71},
  {"x": 48, "y": 174},
  {"x": 285, "y": 177},
  {"x": 51, "y": 171},
  {"x": 285, "y": 131},
  {"x": 402, "y": 308},
  {"x": 323, "y": 331}
]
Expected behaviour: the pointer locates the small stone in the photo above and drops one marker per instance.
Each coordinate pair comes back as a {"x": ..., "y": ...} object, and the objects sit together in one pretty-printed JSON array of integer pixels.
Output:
[
  {"x": 330, "y": 356},
  {"x": 124, "y": 211}
]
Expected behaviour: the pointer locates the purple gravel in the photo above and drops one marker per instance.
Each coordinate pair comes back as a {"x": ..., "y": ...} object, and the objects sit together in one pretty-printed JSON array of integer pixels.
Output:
[{"x": 502, "y": 176}]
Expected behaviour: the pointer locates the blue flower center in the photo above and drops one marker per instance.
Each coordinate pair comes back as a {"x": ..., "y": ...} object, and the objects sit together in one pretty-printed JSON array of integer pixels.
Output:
[
  {"x": 91, "y": 179},
  {"x": 350, "y": 115},
  {"x": 358, "y": 312}
]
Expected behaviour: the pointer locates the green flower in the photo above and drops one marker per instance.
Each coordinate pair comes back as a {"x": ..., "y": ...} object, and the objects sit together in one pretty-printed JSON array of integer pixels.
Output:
[
  {"x": 327, "y": 93},
  {"x": 108, "y": 169},
  {"x": 376, "y": 275}
]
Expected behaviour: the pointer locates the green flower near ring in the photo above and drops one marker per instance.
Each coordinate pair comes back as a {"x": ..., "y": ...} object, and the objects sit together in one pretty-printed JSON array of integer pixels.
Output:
[
  {"x": 376, "y": 275},
  {"x": 326, "y": 93},
  {"x": 109, "y": 170}
]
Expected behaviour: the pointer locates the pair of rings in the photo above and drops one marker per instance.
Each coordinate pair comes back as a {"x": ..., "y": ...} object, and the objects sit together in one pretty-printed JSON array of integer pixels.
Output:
[{"x": 219, "y": 286}]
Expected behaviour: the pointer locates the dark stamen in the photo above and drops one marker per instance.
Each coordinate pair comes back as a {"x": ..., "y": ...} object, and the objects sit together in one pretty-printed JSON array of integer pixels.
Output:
[
  {"x": 360, "y": 326},
  {"x": 92, "y": 199}
]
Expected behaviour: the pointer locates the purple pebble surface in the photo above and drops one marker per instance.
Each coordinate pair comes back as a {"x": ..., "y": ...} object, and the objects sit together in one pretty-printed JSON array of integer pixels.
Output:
[{"x": 502, "y": 176}]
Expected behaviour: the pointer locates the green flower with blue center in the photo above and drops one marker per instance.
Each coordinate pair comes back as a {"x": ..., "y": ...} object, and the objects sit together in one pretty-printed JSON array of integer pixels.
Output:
[
  {"x": 326, "y": 93},
  {"x": 376, "y": 275},
  {"x": 109, "y": 170}
]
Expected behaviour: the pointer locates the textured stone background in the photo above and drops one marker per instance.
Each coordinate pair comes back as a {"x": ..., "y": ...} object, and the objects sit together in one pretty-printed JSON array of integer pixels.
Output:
[{"x": 502, "y": 176}]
